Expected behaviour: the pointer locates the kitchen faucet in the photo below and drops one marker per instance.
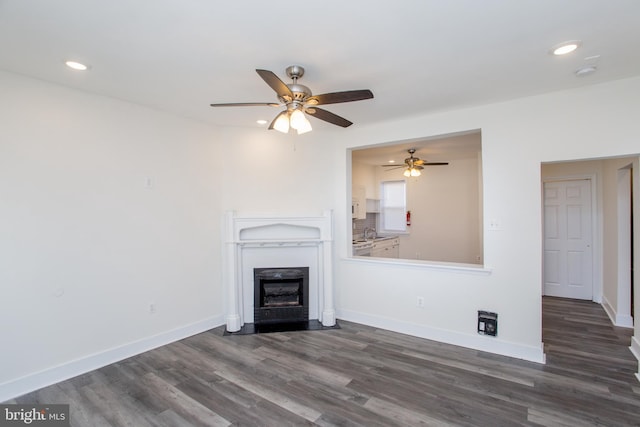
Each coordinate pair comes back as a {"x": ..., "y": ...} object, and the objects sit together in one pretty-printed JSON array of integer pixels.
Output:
[{"x": 367, "y": 235}]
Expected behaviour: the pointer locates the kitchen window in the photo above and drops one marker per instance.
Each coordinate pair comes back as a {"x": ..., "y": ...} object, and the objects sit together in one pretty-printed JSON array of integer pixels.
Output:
[{"x": 393, "y": 206}]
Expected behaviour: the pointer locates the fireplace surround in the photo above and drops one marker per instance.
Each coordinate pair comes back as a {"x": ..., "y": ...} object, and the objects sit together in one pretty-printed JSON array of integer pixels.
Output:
[{"x": 255, "y": 241}]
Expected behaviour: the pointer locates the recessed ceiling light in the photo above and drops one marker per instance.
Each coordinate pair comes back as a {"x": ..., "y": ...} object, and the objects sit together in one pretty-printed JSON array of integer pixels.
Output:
[
  {"x": 261, "y": 122},
  {"x": 565, "y": 47},
  {"x": 392, "y": 161},
  {"x": 76, "y": 65}
]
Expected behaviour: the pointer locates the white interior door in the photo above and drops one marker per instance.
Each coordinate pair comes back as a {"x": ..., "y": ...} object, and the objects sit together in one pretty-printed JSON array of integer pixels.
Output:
[{"x": 568, "y": 260}]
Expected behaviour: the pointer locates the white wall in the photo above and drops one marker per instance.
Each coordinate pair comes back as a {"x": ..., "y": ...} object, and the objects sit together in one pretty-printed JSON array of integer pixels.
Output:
[
  {"x": 444, "y": 204},
  {"x": 85, "y": 247},
  {"x": 75, "y": 216},
  {"x": 364, "y": 175},
  {"x": 596, "y": 121}
]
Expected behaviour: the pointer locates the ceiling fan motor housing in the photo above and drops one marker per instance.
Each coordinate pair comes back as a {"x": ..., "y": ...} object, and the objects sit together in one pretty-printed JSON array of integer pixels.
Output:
[{"x": 300, "y": 92}]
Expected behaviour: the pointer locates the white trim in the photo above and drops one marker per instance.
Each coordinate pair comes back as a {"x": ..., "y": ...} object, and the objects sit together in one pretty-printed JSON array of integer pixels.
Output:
[
  {"x": 635, "y": 350},
  {"x": 17, "y": 387},
  {"x": 635, "y": 347},
  {"x": 270, "y": 231},
  {"x": 476, "y": 342},
  {"x": 624, "y": 263},
  {"x": 621, "y": 320},
  {"x": 426, "y": 265},
  {"x": 596, "y": 229}
]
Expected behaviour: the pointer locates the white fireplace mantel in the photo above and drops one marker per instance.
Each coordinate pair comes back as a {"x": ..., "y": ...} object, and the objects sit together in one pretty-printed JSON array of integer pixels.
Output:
[{"x": 277, "y": 238}]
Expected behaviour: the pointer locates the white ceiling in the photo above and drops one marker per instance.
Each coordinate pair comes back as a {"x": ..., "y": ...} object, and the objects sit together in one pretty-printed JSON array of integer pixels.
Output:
[
  {"x": 415, "y": 55},
  {"x": 445, "y": 148}
]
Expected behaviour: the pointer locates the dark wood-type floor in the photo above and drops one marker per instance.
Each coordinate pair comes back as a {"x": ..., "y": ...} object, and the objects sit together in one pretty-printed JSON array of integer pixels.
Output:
[{"x": 363, "y": 376}]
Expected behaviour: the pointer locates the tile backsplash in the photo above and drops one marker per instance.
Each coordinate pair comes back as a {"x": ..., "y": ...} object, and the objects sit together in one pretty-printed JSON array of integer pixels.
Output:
[{"x": 361, "y": 224}]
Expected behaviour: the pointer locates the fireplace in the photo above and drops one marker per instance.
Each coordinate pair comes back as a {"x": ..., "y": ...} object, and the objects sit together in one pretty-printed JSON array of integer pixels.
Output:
[
  {"x": 281, "y": 295},
  {"x": 268, "y": 242}
]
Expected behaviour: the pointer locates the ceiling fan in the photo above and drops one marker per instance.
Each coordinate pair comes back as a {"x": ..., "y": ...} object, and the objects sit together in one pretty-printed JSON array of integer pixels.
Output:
[
  {"x": 414, "y": 165},
  {"x": 299, "y": 100}
]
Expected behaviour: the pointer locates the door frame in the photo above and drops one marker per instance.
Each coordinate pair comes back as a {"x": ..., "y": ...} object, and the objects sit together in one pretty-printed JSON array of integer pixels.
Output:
[
  {"x": 596, "y": 230},
  {"x": 623, "y": 316}
]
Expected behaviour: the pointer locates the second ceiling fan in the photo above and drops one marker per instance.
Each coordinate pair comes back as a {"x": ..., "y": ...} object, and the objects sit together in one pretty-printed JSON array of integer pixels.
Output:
[
  {"x": 299, "y": 101},
  {"x": 414, "y": 164}
]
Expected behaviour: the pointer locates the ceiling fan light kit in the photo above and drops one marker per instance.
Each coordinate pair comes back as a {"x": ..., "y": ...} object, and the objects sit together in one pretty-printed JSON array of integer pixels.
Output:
[
  {"x": 414, "y": 165},
  {"x": 299, "y": 122},
  {"x": 299, "y": 101},
  {"x": 281, "y": 122},
  {"x": 412, "y": 172}
]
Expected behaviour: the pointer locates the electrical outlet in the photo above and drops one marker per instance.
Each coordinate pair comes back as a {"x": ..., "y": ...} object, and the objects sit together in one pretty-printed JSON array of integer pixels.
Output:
[
  {"x": 420, "y": 302},
  {"x": 152, "y": 308}
]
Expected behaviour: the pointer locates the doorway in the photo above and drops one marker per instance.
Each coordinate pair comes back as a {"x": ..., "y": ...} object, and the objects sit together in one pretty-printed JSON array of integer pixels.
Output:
[{"x": 568, "y": 255}]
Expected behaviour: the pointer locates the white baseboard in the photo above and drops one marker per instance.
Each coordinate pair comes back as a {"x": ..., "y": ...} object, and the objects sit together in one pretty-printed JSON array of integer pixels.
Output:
[
  {"x": 26, "y": 384},
  {"x": 621, "y": 320},
  {"x": 479, "y": 342},
  {"x": 635, "y": 350},
  {"x": 609, "y": 309}
]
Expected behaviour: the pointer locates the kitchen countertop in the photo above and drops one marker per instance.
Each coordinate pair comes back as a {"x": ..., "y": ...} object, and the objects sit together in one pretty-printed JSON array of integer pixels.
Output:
[{"x": 363, "y": 242}]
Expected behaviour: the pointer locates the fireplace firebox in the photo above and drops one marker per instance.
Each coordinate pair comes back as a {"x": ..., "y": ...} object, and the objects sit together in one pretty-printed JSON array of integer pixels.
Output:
[{"x": 281, "y": 295}]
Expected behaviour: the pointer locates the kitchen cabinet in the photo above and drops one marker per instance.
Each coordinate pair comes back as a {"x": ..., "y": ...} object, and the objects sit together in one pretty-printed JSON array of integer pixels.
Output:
[
  {"x": 386, "y": 248},
  {"x": 373, "y": 205},
  {"x": 358, "y": 203}
]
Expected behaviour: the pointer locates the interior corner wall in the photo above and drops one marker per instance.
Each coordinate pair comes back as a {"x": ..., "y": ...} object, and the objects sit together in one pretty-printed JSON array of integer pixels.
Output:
[
  {"x": 270, "y": 172},
  {"x": 110, "y": 239}
]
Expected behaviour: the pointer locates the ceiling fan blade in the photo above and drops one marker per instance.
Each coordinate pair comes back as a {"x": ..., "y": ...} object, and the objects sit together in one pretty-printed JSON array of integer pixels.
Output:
[
  {"x": 275, "y": 83},
  {"x": 247, "y": 104},
  {"x": 337, "y": 97},
  {"x": 327, "y": 116},
  {"x": 435, "y": 164}
]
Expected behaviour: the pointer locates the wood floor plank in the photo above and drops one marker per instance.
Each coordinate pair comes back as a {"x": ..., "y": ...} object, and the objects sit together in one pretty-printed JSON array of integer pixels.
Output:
[
  {"x": 181, "y": 406},
  {"x": 363, "y": 376}
]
